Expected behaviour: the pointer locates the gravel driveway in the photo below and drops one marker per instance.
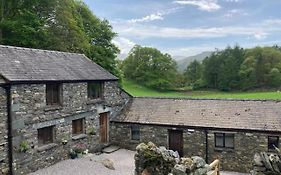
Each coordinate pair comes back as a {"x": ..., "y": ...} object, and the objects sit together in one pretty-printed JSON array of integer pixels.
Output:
[{"x": 91, "y": 165}]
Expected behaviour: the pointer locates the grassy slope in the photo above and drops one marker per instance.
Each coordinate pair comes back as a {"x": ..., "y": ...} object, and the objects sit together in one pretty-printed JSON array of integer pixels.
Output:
[{"x": 140, "y": 91}]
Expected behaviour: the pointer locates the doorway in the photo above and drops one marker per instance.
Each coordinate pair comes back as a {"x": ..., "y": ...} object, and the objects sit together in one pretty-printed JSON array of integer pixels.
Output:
[
  {"x": 103, "y": 127},
  {"x": 176, "y": 141}
]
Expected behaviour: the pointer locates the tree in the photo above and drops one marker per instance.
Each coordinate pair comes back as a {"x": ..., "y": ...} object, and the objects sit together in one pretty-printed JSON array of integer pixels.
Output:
[
  {"x": 193, "y": 72},
  {"x": 261, "y": 68},
  {"x": 231, "y": 60},
  {"x": 63, "y": 25},
  {"x": 150, "y": 67}
]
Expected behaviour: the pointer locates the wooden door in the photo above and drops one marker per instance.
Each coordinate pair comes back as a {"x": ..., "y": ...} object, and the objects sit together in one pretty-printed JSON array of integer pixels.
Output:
[
  {"x": 176, "y": 141},
  {"x": 103, "y": 128}
]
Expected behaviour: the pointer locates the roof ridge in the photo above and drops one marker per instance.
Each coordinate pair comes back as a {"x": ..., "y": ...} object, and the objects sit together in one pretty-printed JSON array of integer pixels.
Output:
[
  {"x": 39, "y": 50},
  {"x": 215, "y": 99}
]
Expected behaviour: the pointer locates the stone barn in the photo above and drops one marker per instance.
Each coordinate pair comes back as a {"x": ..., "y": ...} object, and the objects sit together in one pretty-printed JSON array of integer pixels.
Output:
[
  {"x": 229, "y": 130},
  {"x": 50, "y": 102}
]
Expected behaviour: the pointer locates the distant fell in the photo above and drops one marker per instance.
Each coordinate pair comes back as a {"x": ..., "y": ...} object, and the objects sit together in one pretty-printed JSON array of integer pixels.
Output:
[{"x": 182, "y": 63}]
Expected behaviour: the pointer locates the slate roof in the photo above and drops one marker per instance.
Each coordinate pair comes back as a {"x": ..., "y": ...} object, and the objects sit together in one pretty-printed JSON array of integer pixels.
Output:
[
  {"x": 223, "y": 114},
  {"x": 24, "y": 64}
]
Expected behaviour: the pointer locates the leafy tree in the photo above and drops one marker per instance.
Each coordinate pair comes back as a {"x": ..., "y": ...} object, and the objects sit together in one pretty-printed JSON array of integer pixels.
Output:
[
  {"x": 63, "y": 25},
  {"x": 193, "y": 72},
  {"x": 231, "y": 60},
  {"x": 150, "y": 67},
  {"x": 261, "y": 68},
  {"x": 211, "y": 70}
]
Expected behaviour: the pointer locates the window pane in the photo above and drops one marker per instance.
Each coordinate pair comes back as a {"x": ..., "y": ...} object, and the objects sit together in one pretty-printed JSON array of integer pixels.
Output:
[
  {"x": 52, "y": 94},
  {"x": 135, "y": 131},
  {"x": 45, "y": 135},
  {"x": 229, "y": 140},
  {"x": 78, "y": 126},
  {"x": 273, "y": 141},
  {"x": 95, "y": 90},
  {"x": 219, "y": 140}
]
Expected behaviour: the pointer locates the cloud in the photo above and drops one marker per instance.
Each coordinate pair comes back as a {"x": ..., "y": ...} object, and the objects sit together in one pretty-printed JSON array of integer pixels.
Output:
[
  {"x": 204, "y": 5},
  {"x": 154, "y": 16},
  {"x": 231, "y": 0},
  {"x": 259, "y": 35},
  {"x": 234, "y": 12},
  {"x": 258, "y": 31},
  {"x": 124, "y": 44}
]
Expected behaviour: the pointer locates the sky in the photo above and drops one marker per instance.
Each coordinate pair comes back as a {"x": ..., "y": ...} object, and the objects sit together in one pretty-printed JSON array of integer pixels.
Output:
[{"x": 189, "y": 27}]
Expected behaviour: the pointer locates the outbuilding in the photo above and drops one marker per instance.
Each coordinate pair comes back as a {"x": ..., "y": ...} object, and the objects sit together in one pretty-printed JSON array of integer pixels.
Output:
[{"x": 229, "y": 130}]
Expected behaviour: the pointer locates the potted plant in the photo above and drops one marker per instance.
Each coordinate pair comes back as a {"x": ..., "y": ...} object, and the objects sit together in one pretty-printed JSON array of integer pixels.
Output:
[{"x": 73, "y": 154}]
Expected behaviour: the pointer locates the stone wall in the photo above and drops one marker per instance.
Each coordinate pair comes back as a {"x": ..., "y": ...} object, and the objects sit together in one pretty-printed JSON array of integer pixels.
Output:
[
  {"x": 237, "y": 159},
  {"x": 245, "y": 146},
  {"x": 3, "y": 133},
  {"x": 30, "y": 113},
  {"x": 120, "y": 134}
]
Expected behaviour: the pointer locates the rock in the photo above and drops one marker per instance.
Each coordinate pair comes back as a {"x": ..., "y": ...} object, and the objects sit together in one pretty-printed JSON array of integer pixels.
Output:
[
  {"x": 179, "y": 170},
  {"x": 108, "y": 164},
  {"x": 258, "y": 160},
  {"x": 198, "y": 161},
  {"x": 188, "y": 163},
  {"x": 203, "y": 170}
]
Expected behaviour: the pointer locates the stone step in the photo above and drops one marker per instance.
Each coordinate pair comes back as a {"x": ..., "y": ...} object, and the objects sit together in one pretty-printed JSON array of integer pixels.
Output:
[{"x": 110, "y": 149}]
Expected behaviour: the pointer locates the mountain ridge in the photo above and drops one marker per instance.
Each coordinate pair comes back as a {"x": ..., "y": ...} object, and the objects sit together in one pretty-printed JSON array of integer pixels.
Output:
[{"x": 183, "y": 63}]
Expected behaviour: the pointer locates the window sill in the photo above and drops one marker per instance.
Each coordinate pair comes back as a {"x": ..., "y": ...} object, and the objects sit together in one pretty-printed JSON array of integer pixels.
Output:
[
  {"x": 78, "y": 137},
  {"x": 46, "y": 147},
  {"x": 224, "y": 149},
  {"x": 95, "y": 100},
  {"x": 52, "y": 108}
]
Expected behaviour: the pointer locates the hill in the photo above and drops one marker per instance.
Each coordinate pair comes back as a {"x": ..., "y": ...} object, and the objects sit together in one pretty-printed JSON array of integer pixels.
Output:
[{"x": 182, "y": 63}]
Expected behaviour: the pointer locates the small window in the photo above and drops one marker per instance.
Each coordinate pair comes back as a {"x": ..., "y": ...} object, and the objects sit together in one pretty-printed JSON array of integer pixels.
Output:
[
  {"x": 135, "y": 132},
  {"x": 224, "y": 140},
  {"x": 46, "y": 135},
  {"x": 95, "y": 90},
  {"x": 53, "y": 94},
  {"x": 78, "y": 126},
  {"x": 273, "y": 141}
]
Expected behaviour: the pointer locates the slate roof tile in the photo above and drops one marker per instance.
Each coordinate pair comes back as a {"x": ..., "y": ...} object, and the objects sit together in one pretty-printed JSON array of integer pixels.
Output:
[
  {"x": 24, "y": 64},
  {"x": 224, "y": 114}
]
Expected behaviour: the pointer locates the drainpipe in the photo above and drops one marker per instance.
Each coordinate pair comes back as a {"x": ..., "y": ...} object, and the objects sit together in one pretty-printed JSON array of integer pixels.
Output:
[
  {"x": 9, "y": 123},
  {"x": 206, "y": 146}
]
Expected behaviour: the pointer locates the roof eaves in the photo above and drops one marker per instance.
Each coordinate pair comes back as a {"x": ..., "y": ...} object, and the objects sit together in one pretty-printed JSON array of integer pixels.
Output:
[{"x": 198, "y": 127}]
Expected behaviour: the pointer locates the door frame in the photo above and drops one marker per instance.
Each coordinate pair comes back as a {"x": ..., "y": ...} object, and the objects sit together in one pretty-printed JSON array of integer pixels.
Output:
[
  {"x": 106, "y": 114},
  {"x": 182, "y": 140}
]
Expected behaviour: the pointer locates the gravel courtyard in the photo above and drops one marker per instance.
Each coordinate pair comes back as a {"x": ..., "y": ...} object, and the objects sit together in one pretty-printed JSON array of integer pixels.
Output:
[{"x": 122, "y": 159}]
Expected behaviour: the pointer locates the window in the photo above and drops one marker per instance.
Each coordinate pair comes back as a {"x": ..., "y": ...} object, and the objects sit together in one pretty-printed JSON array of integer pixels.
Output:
[
  {"x": 78, "y": 126},
  {"x": 273, "y": 141},
  {"x": 224, "y": 140},
  {"x": 95, "y": 90},
  {"x": 45, "y": 135},
  {"x": 53, "y": 94},
  {"x": 135, "y": 132}
]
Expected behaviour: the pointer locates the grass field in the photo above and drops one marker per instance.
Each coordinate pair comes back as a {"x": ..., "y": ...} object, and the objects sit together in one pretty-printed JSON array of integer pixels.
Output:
[{"x": 140, "y": 91}]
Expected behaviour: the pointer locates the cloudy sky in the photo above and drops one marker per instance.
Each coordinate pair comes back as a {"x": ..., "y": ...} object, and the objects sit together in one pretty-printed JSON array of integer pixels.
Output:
[{"x": 188, "y": 27}]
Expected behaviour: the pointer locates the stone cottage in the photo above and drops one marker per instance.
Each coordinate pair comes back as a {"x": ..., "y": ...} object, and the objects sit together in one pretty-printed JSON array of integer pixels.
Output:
[
  {"x": 229, "y": 130},
  {"x": 50, "y": 102}
]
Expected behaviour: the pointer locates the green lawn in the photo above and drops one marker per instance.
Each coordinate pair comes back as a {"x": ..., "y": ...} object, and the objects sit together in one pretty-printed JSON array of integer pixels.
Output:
[{"x": 140, "y": 91}]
